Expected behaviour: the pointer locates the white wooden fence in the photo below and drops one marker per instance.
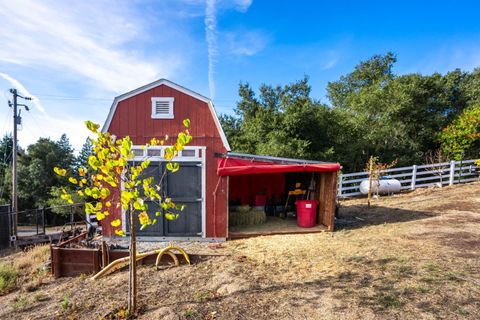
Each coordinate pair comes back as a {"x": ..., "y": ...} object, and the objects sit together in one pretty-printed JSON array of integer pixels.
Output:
[{"x": 416, "y": 176}]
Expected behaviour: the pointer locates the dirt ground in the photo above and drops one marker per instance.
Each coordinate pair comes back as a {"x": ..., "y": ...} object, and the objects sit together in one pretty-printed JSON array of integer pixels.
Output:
[{"x": 412, "y": 256}]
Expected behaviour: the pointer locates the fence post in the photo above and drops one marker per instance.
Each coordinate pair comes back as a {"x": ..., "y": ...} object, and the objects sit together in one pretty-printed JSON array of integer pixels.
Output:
[
  {"x": 414, "y": 177},
  {"x": 43, "y": 220},
  {"x": 71, "y": 217},
  {"x": 36, "y": 219},
  {"x": 340, "y": 184},
  {"x": 452, "y": 173}
]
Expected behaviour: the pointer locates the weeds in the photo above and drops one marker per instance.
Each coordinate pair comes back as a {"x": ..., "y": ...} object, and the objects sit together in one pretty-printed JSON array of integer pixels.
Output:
[
  {"x": 122, "y": 313},
  {"x": 65, "y": 303},
  {"x": 390, "y": 301},
  {"x": 20, "y": 303},
  {"x": 204, "y": 295},
  {"x": 8, "y": 278},
  {"x": 189, "y": 313}
]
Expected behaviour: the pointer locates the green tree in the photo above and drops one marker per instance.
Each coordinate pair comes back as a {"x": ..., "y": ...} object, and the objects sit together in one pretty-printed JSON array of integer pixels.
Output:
[
  {"x": 5, "y": 161},
  {"x": 397, "y": 117},
  {"x": 81, "y": 160},
  {"x": 462, "y": 137},
  {"x": 110, "y": 166},
  {"x": 35, "y": 177},
  {"x": 281, "y": 121}
]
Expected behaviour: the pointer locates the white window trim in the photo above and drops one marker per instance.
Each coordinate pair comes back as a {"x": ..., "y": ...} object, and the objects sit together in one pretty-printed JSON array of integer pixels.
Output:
[
  {"x": 202, "y": 158},
  {"x": 170, "y": 101}
]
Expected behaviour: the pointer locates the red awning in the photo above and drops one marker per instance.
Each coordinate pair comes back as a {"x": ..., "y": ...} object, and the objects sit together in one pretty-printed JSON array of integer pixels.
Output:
[{"x": 232, "y": 166}]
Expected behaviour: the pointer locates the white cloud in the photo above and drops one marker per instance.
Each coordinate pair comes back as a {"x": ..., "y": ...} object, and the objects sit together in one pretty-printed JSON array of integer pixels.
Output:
[
  {"x": 22, "y": 90},
  {"x": 242, "y": 5},
  {"x": 42, "y": 124},
  {"x": 246, "y": 43},
  {"x": 211, "y": 37},
  {"x": 332, "y": 58},
  {"x": 85, "y": 38},
  {"x": 211, "y": 34}
]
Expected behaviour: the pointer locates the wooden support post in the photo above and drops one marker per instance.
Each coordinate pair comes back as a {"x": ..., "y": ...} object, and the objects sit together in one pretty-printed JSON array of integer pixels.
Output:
[
  {"x": 327, "y": 198},
  {"x": 370, "y": 174},
  {"x": 340, "y": 185},
  {"x": 104, "y": 254},
  {"x": 96, "y": 262},
  {"x": 331, "y": 201},
  {"x": 55, "y": 252},
  {"x": 414, "y": 177},
  {"x": 452, "y": 173},
  {"x": 321, "y": 198}
]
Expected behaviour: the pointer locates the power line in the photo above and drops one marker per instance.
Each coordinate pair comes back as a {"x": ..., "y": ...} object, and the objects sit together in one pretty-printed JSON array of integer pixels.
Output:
[
  {"x": 60, "y": 97},
  {"x": 7, "y": 123}
]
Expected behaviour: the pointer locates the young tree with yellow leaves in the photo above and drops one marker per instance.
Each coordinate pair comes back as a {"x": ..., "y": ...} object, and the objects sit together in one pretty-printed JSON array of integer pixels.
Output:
[{"x": 110, "y": 166}]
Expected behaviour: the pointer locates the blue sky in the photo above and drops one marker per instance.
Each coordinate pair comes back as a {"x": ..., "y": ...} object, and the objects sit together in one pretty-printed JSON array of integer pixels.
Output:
[{"x": 75, "y": 56}]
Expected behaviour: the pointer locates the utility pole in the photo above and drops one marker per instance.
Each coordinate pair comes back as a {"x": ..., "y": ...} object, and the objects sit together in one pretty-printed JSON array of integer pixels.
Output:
[
  {"x": 14, "y": 166},
  {"x": 16, "y": 121}
]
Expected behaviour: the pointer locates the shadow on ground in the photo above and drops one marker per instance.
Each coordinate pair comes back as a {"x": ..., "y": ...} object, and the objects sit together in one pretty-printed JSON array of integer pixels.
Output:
[{"x": 357, "y": 216}]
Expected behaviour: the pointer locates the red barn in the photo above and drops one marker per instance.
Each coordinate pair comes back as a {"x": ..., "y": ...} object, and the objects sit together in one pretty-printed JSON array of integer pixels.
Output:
[{"x": 203, "y": 182}]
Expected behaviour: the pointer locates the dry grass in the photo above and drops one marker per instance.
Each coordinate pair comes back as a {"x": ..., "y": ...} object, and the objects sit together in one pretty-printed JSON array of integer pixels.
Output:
[
  {"x": 415, "y": 256},
  {"x": 30, "y": 260},
  {"x": 29, "y": 267}
]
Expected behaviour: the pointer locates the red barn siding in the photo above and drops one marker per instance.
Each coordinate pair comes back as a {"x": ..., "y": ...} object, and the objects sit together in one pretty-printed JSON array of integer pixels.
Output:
[
  {"x": 133, "y": 117},
  {"x": 244, "y": 187}
]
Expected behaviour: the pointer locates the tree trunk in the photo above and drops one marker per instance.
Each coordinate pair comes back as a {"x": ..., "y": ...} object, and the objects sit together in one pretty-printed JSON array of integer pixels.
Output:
[{"x": 132, "y": 275}]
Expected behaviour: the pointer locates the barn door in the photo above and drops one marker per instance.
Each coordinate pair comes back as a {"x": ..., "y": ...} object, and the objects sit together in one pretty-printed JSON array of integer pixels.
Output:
[
  {"x": 156, "y": 230},
  {"x": 183, "y": 187}
]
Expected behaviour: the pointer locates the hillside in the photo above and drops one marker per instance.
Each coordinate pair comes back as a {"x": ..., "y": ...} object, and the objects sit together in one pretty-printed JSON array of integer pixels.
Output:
[{"x": 415, "y": 255}]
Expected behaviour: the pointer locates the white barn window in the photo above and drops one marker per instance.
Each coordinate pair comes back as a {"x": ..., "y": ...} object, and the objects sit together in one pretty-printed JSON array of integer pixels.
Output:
[{"x": 162, "y": 108}]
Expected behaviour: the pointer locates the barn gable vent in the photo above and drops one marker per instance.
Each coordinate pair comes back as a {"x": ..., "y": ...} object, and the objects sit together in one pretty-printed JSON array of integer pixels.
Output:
[{"x": 162, "y": 108}]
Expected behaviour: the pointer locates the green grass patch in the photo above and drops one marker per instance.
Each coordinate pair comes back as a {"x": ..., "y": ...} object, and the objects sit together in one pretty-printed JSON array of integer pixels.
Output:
[
  {"x": 416, "y": 289},
  {"x": 8, "y": 278},
  {"x": 390, "y": 301},
  {"x": 20, "y": 303},
  {"x": 204, "y": 295}
]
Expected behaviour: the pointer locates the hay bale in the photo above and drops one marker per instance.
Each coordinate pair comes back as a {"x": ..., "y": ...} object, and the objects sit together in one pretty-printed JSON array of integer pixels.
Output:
[
  {"x": 243, "y": 209},
  {"x": 243, "y": 217}
]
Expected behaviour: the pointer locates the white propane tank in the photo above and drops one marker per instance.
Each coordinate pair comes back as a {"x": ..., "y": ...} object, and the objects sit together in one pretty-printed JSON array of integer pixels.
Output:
[{"x": 387, "y": 185}]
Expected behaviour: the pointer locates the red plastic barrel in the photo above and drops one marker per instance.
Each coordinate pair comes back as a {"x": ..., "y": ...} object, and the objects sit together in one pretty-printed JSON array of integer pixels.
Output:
[{"x": 306, "y": 213}]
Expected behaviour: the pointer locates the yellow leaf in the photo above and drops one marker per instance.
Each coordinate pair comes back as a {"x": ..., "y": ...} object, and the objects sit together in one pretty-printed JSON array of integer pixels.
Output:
[
  {"x": 73, "y": 180},
  {"x": 144, "y": 219},
  {"x": 186, "y": 123},
  {"x": 120, "y": 233},
  {"x": 60, "y": 172},
  {"x": 100, "y": 216},
  {"x": 92, "y": 126},
  {"x": 81, "y": 172},
  {"x": 93, "y": 162},
  {"x": 116, "y": 222},
  {"x": 108, "y": 204}
]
